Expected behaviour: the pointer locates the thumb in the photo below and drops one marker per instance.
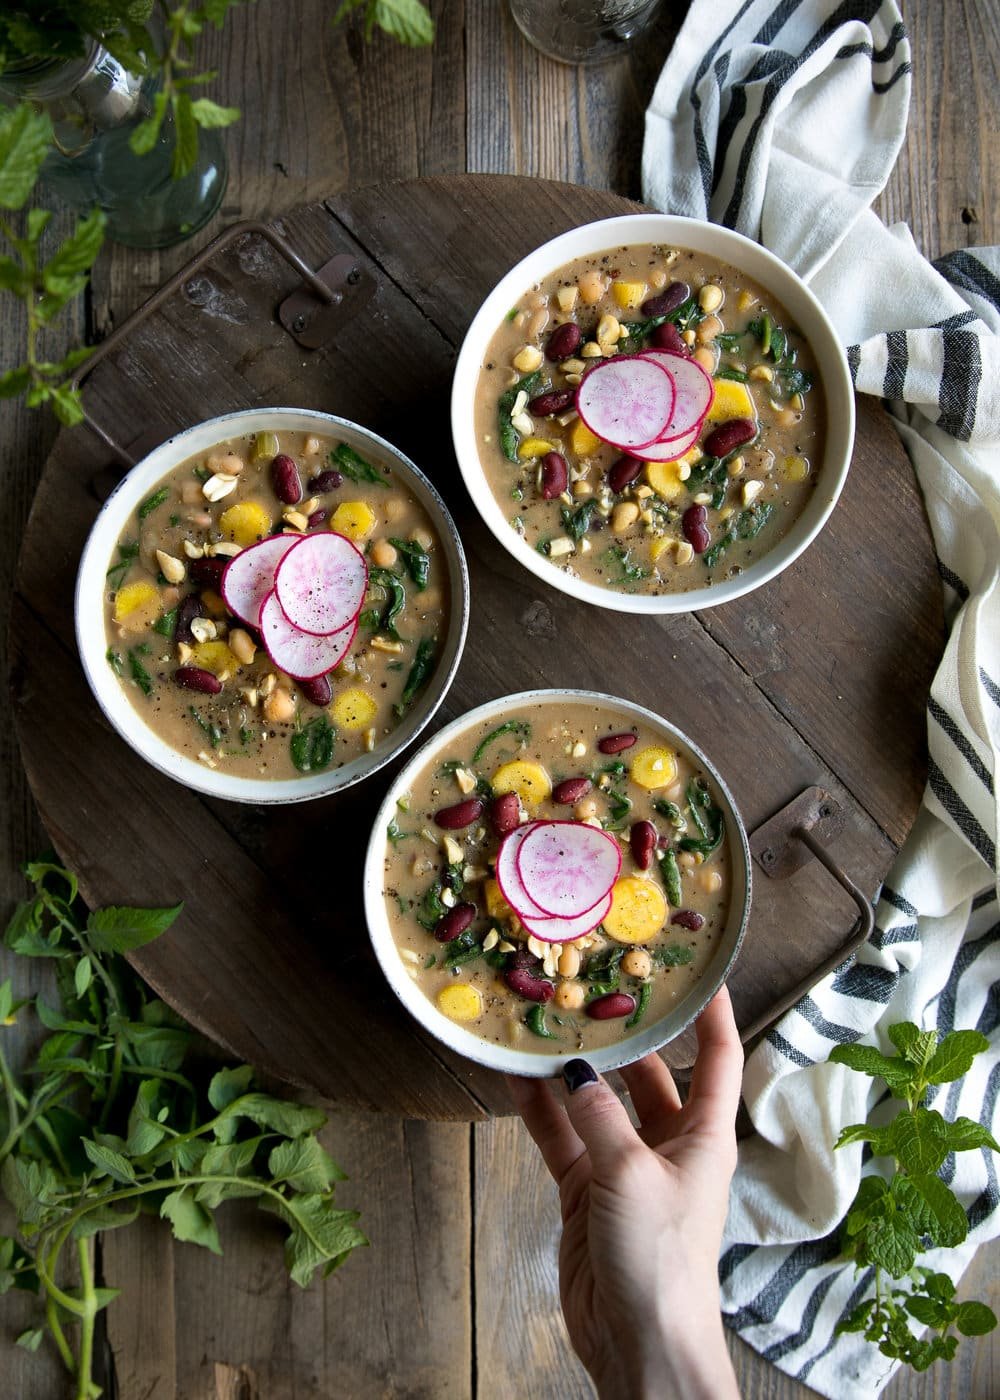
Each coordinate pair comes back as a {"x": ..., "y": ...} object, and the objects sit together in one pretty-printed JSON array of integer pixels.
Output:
[{"x": 598, "y": 1117}]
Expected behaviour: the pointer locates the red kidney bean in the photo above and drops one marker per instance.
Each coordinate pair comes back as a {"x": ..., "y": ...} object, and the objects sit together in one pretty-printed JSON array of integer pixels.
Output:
[
  {"x": 695, "y": 530},
  {"x": 666, "y": 301},
  {"x": 623, "y": 472},
  {"x": 318, "y": 517},
  {"x": 555, "y": 475},
  {"x": 728, "y": 436},
  {"x": 524, "y": 957},
  {"x": 642, "y": 839},
  {"x": 610, "y": 1007},
  {"x": 187, "y": 610},
  {"x": 286, "y": 480},
  {"x": 616, "y": 743},
  {"x": 505, "y": 813},
  {"x": 195, "y": 678},
  {"x": 207, "y": 573},
  {"x": 317, "y": 691},
  {"x": 564, "y": 341},
  {"x": 453, "y": 923},
  {"x": 460, "y": 815},
  {"x": 555, "y": 401},
  {"x": 325, "y": 481},
  {"x": 687, "y": 918},
  {"x": 521, "y": 981},
  {"x": 570, "y": 790},
  {"x": 668, "y": 337}
]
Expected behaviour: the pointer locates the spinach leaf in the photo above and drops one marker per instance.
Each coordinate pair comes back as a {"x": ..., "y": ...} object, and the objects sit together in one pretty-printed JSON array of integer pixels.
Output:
[
  {"x": 165, "y": 625},
  {"x": 744, "y": 526},
  {"x": 423, "y": 665},
  {"x": 418, "y": 561},
  {"x": 670, "y": 871},
  {"x": 431, "y": 908},
  {"x": 706, "y": 817},
  {"x": 126, "y": 554},
  {"x": 138, "y": 671},
  {"x": 604, "y": 972},
  {"x": 535, "y": 1021},
  {"x": 151, "y": 502},
  {"x": 312, "y": 746},
  {"x": 115, "y": 660},
  {"x": 674, "y": 955},
  {"x": 628, "y": 572},
  {"x": 354, "y": 466},
  {"x": 510, "y": 726},
  {"x": 395, "y": 595},
  {"x": 576, "y": 523},
  {"x": 509, "y": 437},
  {"x": 211, "y": 731}
]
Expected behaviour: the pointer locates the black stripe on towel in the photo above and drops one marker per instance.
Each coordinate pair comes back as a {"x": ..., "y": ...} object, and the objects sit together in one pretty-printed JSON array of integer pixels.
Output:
[
  {"x": 853, "y": 360},
  {"x": 989, "y": 1198},
  {"x": 733, "y": 1258},
  {"x": 700, "y": 142},
  {"x": 897, "y": 360},
  {"x": 961, "y": 269},
  {"x": 960, "y": 378},
  {"x": 987, "y": 897},
  {"x": 768, "y": 1303},
  {"x": 967, "y": 954},
  {"x": 796, "y": 1339},
  {"x": 952, "y": 580},
  {"x": 961, "y": 743},
  {"x": 867, "y": 982},
  {"x": 901, "y": 71},
  {"x": 897, "y": 901},
  {"x": 990, "y": 686},
  {"x": 956, "y": 322},
  {"x": 889, "y": 937},
  {"x": 856, "y": 1295},
  {"x": 960, "y": 814},
  {"x": 841, "y": 1035},
  {"x": 788, "y": 1050}
]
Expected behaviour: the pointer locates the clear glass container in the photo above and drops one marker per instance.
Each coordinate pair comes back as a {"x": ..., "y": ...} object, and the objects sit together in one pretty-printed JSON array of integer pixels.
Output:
[
  {"x": 582, "y": 31},
  {"x": 95, "y": 104}
]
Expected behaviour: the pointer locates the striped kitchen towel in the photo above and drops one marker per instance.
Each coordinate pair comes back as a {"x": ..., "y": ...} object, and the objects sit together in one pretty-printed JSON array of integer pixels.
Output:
[{"x": 782, "y": 119}]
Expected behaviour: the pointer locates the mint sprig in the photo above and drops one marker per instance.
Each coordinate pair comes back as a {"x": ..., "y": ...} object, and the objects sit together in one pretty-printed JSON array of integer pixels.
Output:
[
  {"x": 891, "y": 1221},
  {"x": 110, "y": 1119}
]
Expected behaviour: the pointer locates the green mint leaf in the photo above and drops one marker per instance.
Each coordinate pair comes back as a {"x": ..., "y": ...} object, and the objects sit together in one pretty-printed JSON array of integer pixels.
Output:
[
  {"x": 30, "y": 1340},
  {"x": 965, "y": 1134},
  {"x": 954, "y": 1056},
  {"x": 65, "y": 273},
  {"x": 119, "y": 929},
  {"x": 25, "y": 137},
  {"x": 872, "y": 1200},
  {"x": 235, "y": 1159},
  {"x": 109, "y": 1162},
  {"x": 14, "y": 382},
  {"x": 942, "y": 1216},
  {"x": 931, "y": 1312},
  {"x": 6, "y": 1000},
  {"x": 867, "y": 1060},
  {"x": 975, "y": 1319},
  {"x": 67, "y": 405},
  {"x": 13, "y": 278},
  {"x": 915, "y": 1046},
  {"x": 144, "y": 1131},
  {"x": 215, "y": 11},
  {"x": 320, "y": 1235},
  {"x": 210, "y": 114},
  {"x": 892, "y": 1243},
  {"x": 290, "y": 1119},
  {"x": 229, "y": 1084},
  {"x": 406, "y": 20},
  {"x": 185, "y": 137},
  {"x": 101, "y": 1218},
  {"x": 918, "y": 1140},
  {"x": 304, "y": 1165},
  {"x": 145, "y": 135},
  {"x": 865, "y": 1132},
  {"x": 82, "y": 976},
  {"x": 190, "y": 1220}
]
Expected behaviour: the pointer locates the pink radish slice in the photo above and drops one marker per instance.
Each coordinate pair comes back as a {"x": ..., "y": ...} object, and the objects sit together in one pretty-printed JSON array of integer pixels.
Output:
[
  {"x": 668, "y": 451},
  {"x": 695, "y": 392},
  {"x": 249, "y": 576},
  {"x": 568, "y": 867},
  {"x": 321, "y": 583},
  {"x": 563, "y": 930},
  {"x": 508, "y": 878},
  {"x": 303, "y": 655},
  {"x": 625, "y": 402}
]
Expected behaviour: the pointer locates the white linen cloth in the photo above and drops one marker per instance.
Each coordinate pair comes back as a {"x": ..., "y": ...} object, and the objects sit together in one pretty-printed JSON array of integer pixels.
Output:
[{"x": 782, "y": 119}]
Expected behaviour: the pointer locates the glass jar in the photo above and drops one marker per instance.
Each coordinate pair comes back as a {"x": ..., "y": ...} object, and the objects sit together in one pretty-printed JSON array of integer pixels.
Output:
[
  {"x": 582, "y": 31},
  {"x": 95, "y": 105}
]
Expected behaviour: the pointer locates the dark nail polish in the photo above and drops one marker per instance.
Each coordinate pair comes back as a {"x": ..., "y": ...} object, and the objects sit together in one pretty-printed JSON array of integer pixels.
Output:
[{"x": 578, "y": 1074}]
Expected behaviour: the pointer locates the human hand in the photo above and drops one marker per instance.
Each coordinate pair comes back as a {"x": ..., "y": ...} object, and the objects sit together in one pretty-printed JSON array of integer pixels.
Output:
[{"x": 643, "y": 1213}]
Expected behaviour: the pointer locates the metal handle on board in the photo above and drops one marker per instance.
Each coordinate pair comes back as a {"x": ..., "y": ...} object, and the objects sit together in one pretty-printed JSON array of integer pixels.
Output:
[
  {"x": 783, "y": 845},
  {"x": 310, "y": 314}
]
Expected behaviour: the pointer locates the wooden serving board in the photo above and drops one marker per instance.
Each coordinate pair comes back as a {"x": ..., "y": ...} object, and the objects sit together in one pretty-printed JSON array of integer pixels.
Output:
[{"x": 821, "y": 678}]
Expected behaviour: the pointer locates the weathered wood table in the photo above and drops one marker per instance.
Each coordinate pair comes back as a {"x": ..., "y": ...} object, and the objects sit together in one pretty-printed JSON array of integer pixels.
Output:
[{"x": 408, "y": 1318}]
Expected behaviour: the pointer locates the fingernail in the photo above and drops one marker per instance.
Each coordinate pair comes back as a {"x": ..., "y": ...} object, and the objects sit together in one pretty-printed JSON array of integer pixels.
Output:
[{"x": 578, "y": 1074}]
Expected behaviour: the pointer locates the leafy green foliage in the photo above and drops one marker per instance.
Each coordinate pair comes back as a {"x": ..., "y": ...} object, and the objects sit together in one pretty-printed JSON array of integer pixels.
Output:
[
  {"x": 406, "y": 20},
  {"x": 891, "y": 1221},
  {"x": 312, "y": 746},
  {"x": 109, "y": 1120}
]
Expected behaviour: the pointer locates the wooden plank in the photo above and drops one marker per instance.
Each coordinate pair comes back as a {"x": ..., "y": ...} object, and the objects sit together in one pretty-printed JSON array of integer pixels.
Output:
[
  {"x": 141, "y": 1324},
  {"x": 394, "y": 1321},
  {"x": 520, "y": 1331}
]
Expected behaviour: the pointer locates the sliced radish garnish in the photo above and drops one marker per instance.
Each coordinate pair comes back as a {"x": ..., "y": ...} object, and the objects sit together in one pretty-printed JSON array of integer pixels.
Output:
[
  {"x": 695, "y": 391},
  {"x": 668, "y": 451},
  {"x": 321, "y": 583},
  {"x": 563, "y": 930},
  {"x": 249, "y": 576},
  {"x": 303, "y": 655},
  {"x": 509, "y": 879},
  {"x": 627, "y": 401},
  {"x": 568, "y": 867}
]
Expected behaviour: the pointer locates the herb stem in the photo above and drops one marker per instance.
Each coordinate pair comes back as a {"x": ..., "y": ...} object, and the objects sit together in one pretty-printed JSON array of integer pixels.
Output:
[
  {"x": 58, "y": 1335},
  {"x": 10, "y": 1098},
  {"x": 115, "y": 1083},
  {"x": 85, "y": 1384}
]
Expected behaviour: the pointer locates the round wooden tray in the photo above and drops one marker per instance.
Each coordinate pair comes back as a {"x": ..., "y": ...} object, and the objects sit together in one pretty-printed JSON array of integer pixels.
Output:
[{"x": 821, "y": 678}]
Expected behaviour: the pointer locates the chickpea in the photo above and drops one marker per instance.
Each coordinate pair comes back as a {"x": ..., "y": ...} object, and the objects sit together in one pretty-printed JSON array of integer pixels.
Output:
[
  {"x": 624, "y": 516},
  {"x": 711, "y": 881},
  {"x": 585, "y": 809},
  {"x": 241, "y": 644},
  {"x": 569, "y": 996},
  {"x": 658, "y": 279},
  {"x": 384, "y": 554},
  {"x": 686, "y": 860},
  {"x": 228, "y": 463},
  {"x": 279, "y": 707},
  {"x": 569, "y": 962},
  {"x": 708, "y": 330},
  {"x": 637, "y": 963},
  {"x": 191, "y": 493},
  {"x": 537, "y": 323},
  {"x": 706, "y": 358},
  {"x": 592, "y": 286}
]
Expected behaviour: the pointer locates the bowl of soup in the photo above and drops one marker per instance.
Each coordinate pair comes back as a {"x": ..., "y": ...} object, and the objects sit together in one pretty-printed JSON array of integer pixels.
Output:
[
  {"x": 271, "y": 605},
  {"x": 653, "y": 414},
  {"x": 554, "y": 874}
]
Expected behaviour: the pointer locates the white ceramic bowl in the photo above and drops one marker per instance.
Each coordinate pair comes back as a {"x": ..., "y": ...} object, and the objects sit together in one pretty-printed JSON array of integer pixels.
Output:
[
  {"x": 120, "y": 508},
  {"x": 716, "y": 242},
  {"x": 530, "y": 1063}
]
